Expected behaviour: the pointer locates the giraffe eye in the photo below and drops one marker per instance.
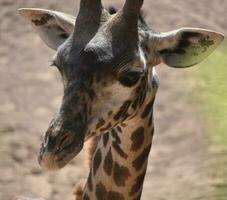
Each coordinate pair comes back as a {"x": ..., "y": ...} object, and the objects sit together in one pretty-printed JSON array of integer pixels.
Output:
[{"x": 130, "y": 79}]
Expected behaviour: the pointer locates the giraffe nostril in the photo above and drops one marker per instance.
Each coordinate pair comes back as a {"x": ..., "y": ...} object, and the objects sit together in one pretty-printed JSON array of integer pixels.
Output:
[{"x": 65, "y": 142}]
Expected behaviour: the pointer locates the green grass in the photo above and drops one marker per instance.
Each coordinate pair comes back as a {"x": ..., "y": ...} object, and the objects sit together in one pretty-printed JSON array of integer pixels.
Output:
[{"x": 209, "y": 90}]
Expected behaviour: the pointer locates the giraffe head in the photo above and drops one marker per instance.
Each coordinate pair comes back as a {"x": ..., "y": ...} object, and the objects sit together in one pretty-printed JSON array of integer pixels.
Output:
[{"x": 106, "y": 62}]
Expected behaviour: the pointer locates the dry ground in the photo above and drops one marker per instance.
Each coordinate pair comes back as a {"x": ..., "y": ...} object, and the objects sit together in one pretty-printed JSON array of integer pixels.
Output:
[{"x": 179, "y": 167}]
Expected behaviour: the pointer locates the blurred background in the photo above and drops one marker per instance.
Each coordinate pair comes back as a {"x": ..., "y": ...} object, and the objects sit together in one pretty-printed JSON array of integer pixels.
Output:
[{"x": 189, "y": 156}]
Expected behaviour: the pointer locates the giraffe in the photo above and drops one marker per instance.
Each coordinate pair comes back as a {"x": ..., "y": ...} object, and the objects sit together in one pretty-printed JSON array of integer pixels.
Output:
[{"x": 107, "y": 61}]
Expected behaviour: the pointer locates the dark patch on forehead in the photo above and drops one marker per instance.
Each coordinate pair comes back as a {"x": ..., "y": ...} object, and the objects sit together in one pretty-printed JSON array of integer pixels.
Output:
[
  {"x": 138, "y": 184},
  {"x": 97, "y": 161},
  {"x": 108, "y": 163},
  {"x": 141, "y": 159},
  {"x": 123, "y": 111},
  {"x": 105, "y": 139},
  {"x": 113, "y": 195},
  {"x": 101, "y": 192},
  {"x": 148, "y": 109},
  {"x": 137, "y": 139},
  {"x": 43, "y": 20},
  {"x": 120, "y": 174}
]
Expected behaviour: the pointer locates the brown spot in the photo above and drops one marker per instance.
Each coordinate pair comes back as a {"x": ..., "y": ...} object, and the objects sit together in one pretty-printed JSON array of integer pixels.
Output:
[
  {"x": 118, "y": 149},
  {"x": 100, "y": 123},
  {"x": 147, "y": 109},
  {"x": 135, "y": 103},
  {"x": 123, "y": 124},
  {"x": 116, "y": 145},
  {"x": 108, "y": 163},
  {"x": 138, "y": 184},
  {"x": 43, "y": 20},
  {"x": 137, "y": 139},
  {"x": 112, "y": 195},
  {"x": 101, "y": 192},
  {"x": 115, "y": 136},
  {"x": 79, "y": 189},
  {"x": 119, "y": 129},
  {"x": 141, "y": 159},
  {"x": 97, "y": 161},
  {"x": 123, "y": 111},
  {"x": 121, "y": 174},
  {"x": 142, "y": 97},
  {"x": 106, "y": 127},
  {"x": 105, "y": 139}
]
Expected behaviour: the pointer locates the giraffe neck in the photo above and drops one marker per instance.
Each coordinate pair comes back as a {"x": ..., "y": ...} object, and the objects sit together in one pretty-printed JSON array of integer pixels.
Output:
[{"x": 120, "y": 159}]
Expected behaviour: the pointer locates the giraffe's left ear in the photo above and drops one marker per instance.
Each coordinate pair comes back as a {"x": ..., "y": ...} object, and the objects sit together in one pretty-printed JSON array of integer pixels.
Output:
[
  {"x": 187, "y": 46},
  {"x": 53, "y": 27}
]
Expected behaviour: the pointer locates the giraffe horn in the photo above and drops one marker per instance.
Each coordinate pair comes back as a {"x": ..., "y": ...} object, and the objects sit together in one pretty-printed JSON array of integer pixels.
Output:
[
  {"x": 132, "y": 7},
  {"x": 90, "y": 13},
  {"x": 90, "y": 7},
  {"x": 124, "y": 24}
]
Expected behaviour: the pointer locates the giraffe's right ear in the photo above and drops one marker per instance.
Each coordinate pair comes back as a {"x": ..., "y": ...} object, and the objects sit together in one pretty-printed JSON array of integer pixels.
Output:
[{"x": 53, "y": 27}]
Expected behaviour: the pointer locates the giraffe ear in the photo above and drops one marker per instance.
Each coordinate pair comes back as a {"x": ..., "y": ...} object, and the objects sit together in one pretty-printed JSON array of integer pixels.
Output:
[
  {"x": 187, "y": 46},
  {"x": 53, "y": 27}
]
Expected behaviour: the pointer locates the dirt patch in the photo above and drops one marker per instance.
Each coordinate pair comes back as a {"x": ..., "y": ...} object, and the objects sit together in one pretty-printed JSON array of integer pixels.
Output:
[{"x": 31, "y": 91}]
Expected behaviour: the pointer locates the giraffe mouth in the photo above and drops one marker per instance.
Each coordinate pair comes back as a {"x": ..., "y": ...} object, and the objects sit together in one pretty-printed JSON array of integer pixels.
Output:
[{"x": 57, "y": 160}]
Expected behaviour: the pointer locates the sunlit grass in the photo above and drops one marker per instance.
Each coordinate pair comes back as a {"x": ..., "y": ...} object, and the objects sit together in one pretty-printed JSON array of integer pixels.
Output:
[
  {"x": 210, "y": 93},
  {"x": 209, "y": 89}
]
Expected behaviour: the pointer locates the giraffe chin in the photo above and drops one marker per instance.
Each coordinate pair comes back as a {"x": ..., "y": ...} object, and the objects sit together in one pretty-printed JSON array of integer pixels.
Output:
[{"x": 52, "y": 162}]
